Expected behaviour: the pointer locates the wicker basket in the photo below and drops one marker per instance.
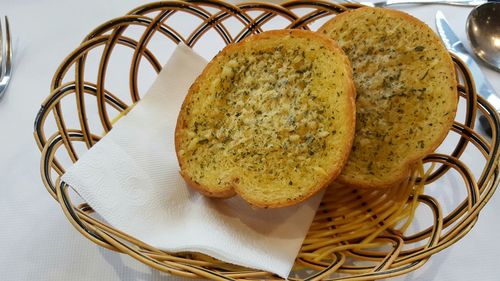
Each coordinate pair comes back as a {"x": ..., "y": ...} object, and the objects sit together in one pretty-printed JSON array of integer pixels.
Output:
[{"x": 382, "y": 247}]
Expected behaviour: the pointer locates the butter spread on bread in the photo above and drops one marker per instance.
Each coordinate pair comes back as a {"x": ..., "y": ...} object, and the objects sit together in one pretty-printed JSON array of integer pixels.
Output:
[
  {"x": 406, "y": 92},
  {"x": 270, "y": 118}
]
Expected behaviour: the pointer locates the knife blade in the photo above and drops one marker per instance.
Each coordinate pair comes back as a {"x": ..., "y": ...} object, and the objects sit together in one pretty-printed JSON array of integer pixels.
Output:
[{"x": 454, "y": 45}]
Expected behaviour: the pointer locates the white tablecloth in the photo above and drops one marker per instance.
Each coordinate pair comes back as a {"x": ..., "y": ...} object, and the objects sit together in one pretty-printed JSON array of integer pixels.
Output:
[{"x": 36, "y": 240}]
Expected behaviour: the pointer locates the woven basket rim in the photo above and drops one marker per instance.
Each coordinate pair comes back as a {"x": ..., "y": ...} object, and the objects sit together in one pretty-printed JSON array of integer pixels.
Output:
[{"x": 152, "y": 17}]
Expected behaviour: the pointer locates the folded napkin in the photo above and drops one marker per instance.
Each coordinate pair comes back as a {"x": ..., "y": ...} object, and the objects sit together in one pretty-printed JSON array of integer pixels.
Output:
[{"x": 131, "y": 178}]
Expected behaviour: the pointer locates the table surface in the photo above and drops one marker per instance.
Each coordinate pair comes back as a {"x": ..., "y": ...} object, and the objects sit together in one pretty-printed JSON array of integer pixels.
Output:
[{"x": 36, "y": 240}]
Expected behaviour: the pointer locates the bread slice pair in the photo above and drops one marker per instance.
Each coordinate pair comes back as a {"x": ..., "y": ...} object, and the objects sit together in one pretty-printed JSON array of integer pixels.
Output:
[
  {"x": 406, "y": 93},
  {"x": 270, "y": 118}
]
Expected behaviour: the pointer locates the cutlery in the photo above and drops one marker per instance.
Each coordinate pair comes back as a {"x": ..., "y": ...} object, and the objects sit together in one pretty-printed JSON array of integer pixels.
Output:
[
  {"x": 454, "y": 45},
  {"x": 483, "y": 31},
  {"x": 470, "y": 3},
  {"x": 5, "y": 58}
]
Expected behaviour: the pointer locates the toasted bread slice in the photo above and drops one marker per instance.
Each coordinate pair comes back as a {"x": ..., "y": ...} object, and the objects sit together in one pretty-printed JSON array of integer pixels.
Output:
[
  {"x": 270, "y": 118},
  {"x": 406, "y": 92}
]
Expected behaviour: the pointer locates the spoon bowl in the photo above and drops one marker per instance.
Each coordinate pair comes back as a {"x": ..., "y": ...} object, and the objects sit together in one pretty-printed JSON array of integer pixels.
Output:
[{"x": 483, "y": 31}]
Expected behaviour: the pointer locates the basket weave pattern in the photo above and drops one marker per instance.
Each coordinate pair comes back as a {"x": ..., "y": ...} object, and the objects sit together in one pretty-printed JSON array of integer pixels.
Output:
[{"x": 363, "y": 240}]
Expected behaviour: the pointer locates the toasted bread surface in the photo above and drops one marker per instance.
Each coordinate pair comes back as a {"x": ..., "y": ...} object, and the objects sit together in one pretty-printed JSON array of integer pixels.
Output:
[
  {"x": 406, "y": 92},
  {"x": 270, "y": 118}
]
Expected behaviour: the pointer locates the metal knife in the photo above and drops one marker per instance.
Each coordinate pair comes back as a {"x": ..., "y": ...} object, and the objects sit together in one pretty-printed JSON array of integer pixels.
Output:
[{"x": 454, "y": 45}]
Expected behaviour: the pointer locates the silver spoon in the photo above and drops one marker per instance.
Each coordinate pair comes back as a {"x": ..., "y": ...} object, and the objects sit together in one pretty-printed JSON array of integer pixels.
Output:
[{"x": 483, "y": 31}]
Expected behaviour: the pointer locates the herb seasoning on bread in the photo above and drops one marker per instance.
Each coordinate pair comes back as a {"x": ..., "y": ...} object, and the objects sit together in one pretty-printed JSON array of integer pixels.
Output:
[
  {"x": 406, "y": 93},
  {"x": 270, "y": 118}
]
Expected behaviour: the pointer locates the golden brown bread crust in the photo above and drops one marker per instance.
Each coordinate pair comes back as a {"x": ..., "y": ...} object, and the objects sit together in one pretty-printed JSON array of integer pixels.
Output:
[
  {"x": 334, "y": 28},
  {"x": 234, "y": 187}
]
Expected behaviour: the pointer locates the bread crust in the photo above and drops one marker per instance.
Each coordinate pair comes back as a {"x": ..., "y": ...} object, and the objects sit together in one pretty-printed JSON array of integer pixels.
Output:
[
  {"x": 408, "y": 166},
  {"x": 234, "y": 188}
]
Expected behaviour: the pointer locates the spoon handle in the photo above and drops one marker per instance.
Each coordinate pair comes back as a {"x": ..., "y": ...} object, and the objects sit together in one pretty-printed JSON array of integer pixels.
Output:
[{"x": 469, "y": 3}]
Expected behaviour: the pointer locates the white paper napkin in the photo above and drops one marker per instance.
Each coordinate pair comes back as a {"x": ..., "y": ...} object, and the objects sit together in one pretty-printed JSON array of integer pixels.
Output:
[{"x": 131, "y": 178}]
